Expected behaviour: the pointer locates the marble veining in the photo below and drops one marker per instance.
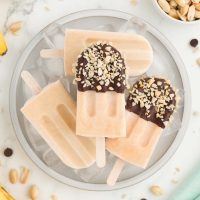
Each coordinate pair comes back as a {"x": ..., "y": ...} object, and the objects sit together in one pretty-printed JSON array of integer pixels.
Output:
[{"x": 22, "y": 7}]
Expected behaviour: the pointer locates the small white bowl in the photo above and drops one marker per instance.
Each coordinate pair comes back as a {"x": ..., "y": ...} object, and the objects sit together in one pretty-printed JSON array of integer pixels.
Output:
[{"x": 165, "y": 15}]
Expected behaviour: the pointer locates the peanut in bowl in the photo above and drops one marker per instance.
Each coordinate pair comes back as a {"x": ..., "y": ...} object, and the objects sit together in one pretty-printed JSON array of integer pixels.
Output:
[{"x": 183, "y": 11}]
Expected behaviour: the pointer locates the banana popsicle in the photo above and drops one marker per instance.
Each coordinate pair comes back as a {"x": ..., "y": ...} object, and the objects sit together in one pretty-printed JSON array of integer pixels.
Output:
[
  {"x": 136, "y": 49},
  {"x": 101, "y": 80},
  {"x": 150, "y": 104},
  {"x": 52, "y": 113}
]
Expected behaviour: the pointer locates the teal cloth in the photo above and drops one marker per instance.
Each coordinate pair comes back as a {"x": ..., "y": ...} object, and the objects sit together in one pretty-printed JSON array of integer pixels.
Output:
[
  {"x": 197, "y": 198},
  {"x": 190, "y": 189}
]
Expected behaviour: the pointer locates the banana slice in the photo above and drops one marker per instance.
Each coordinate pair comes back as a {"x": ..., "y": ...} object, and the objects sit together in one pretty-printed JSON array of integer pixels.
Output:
[{"x": 3, "y": 46}]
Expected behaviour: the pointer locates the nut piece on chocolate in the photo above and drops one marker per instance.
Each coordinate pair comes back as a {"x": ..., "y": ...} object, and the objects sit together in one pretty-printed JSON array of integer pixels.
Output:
[
  {"x": 153, "y": 99},
  {"x": 101, "y": 68}
]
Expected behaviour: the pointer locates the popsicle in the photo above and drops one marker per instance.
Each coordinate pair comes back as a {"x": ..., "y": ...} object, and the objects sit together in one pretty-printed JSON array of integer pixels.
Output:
[
  {"x": 150, "y": 104},
  {"x": 135, "y": 48},
  {"x": 101, "y": 80},
  {"x": 52, "y": 113}
]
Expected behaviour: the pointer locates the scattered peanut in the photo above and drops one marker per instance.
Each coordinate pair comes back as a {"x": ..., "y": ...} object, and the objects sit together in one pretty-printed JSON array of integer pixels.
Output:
[
  {"x": 33, "y": 192},
  {"x": 134, "y": 2},
  {"x": 156, "y": 190},
  {"x": 15, "y": 27},
  {"x": 196, "y": 113},
  {"x": 177, "y": 169},
  {"x": 184, "y": 10},
  {"x": 24, "y": 175},
  {"x": 198, "y": 62},
  {"x": 174, "y": 181},
  {"x": 54, "y": 197},
  {"x": 13, "y": 176}
]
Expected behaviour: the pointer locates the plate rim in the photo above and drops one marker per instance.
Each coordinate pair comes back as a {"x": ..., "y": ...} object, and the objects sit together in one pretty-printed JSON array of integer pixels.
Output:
[{"x": 129, "y": 182}]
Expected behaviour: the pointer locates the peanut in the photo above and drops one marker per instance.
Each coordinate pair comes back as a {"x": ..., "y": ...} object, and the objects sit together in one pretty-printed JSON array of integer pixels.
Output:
[
  {"x": 24, "y": 175},
  {"x": 164, "y": 5},
  {"x": 181, "y": 3},
  {"x": 191, "y": 13},
  {"x": 156, "y": 190},
  {"x": 184, "y": 10},
  {"x": 33, "y": 192},
  {"x": 13, "y": 176}
]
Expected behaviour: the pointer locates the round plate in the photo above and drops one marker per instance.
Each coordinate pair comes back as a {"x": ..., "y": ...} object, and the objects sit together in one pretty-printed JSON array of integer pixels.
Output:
[{"x": 167, "y": 63}]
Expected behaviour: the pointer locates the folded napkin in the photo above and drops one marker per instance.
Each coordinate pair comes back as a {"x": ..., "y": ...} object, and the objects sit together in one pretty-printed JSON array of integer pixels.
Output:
[{"x": 189, "y": 189}]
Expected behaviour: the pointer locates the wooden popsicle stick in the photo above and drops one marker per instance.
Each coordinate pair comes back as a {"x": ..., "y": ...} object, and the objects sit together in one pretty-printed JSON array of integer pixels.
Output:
[
  {"x": 115, "y": 172},
  {"x": 100, "y": 152},
  {"x": 52, "y": 53},
  {"x": 31, "y": 82}
]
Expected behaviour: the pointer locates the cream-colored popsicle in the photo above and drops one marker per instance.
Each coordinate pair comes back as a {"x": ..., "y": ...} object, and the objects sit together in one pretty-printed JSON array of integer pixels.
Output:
[
  {"x": 137, "y": 147},
  {"x": 100, "y": 114},
  {"x": 101, "y": 79},
  {"x": 136, "y": 49},
  {"x": 52, "y": 112},
  {"x": 150, "y": 104}
]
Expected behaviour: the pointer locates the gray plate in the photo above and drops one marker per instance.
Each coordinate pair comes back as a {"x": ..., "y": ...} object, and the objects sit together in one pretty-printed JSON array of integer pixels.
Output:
[{"x": 167, "y": 63}]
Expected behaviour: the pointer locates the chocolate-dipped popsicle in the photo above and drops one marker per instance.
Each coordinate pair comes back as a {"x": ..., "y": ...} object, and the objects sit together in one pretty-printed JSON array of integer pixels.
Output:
[
  {"x": 150, "y": 105},
  {"x": 101, "y": 80}
]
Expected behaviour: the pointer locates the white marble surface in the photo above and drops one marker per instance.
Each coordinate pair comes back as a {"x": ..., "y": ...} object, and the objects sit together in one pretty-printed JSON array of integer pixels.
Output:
[{"x": 36, "y": 14}]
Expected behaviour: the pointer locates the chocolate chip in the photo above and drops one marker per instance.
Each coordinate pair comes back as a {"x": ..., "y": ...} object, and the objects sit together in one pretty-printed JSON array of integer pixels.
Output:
[
  {"x": 8, "y": 152},
  {"x": 194, "y": 42}
]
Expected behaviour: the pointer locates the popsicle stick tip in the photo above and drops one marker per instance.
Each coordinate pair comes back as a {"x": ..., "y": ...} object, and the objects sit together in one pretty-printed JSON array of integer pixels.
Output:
[
  {"x": 101, "y": 164},
  {"x": 25, "y": 75},
  {"x": 52, "y": 53},
  {"x": 110, "y": 182},
  {"x": 100, "y": 152},
  {"x": 115, "y": 172},
  {"x": 30, "y": 82}
]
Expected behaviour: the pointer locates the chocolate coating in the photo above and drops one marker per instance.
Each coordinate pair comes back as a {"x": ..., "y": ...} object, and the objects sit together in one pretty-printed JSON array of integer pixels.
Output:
[
  {"x": 101, "y": 68},
  {"x": 153, "y": 99}
]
